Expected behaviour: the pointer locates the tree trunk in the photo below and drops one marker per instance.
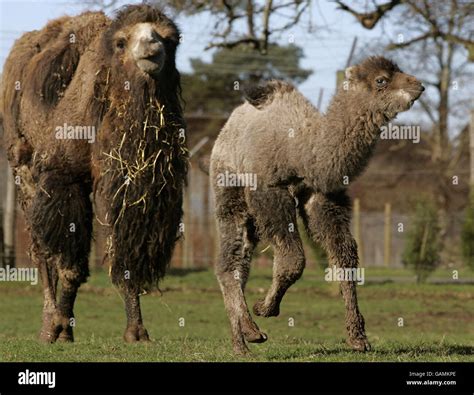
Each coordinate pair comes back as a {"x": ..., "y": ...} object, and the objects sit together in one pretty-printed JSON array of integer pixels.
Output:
[
  {"x": 441, "y": 150},
  {"x": 266, "y": 26},
  {"x": 10, "y": 221},
  {"x": 471, "y": 151},
  {"x": 2, "y": 248},
  {"x": 442, "y": 139}
]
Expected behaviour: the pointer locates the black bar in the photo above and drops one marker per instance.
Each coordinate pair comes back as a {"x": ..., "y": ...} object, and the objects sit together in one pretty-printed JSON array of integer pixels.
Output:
[{"x": 242, "y": 377}]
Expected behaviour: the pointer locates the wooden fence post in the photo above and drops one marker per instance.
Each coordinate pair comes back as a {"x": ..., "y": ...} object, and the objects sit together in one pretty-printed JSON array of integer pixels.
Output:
[
  {"x": 206, "y": 228},
  {"x": 2, "y": 249},
  {"x": 214, "y": 232},
  {"x": 187, "y": 252},
  {"x": 93, "y": 254},
  {"x": 9, "y": 227},
  {"x": 357, "y": 231},
  {"x": 471, "y": 145},
  {"x": 387, "y": 251}
]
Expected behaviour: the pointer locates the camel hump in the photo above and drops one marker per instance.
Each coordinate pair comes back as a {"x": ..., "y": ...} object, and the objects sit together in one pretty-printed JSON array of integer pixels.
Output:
[
  {"x": 261, "y": 95},
  {"x": 54, "y": 71},
  {"x": 53, "y": 68}
]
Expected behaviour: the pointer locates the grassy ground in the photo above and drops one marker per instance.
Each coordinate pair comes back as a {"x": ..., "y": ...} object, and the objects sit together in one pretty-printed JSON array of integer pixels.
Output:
[{"x": 438, "y": 321}]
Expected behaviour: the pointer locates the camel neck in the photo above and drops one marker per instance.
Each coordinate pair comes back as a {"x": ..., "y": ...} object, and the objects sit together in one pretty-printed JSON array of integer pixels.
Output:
[{"x": 349, "y": 132}]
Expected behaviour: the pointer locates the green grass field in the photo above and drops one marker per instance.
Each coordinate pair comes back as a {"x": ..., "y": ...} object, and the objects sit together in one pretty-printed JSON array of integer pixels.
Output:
[{"x": 438, "y": 321}]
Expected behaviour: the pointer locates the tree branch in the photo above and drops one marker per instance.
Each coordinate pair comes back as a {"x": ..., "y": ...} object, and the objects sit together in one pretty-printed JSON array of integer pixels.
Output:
[
  {"x": 235, "y": 43},
  {"x": 250, "y": 13},
  {"x": 102, "y": 4},
  {"x": 370, "y": 19},
  {"x": 455, "y": 39},
  {"x": 230, "y": 16},
  {"x": 266, "y": 22},
  {"x": 258, "y": 34},
  {"x": 423, "y": 37},
  {"x": 428, "y": 111},
  {"x": 295, "y": 20}
]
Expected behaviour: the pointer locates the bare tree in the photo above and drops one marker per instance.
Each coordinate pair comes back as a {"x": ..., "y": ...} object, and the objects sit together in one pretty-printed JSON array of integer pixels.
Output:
[
  {"x": 235, "y": 22},
  {"x": 245, "y": 22},
  {"x": 436, "y": 41}
]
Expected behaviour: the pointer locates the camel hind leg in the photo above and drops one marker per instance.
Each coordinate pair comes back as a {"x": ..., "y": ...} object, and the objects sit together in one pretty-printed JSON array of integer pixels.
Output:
[
  {"x": 40, "y": 257},
  {"x": 71, "y": 279},
  {"x": 58, "y": 316},
  {"x": 60, "y": 218},
  {"x": 237, "y": 240},
  {"x": 49, "y": 277}
]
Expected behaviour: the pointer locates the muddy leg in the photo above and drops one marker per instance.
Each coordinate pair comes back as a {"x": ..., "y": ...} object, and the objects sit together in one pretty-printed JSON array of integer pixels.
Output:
[
  {"x": 135, "y": 330},
  {"x": 237, "y": 244},
  {"x": 58, "y": 316},
  {"x": 60, "y": 218},
  {"x": 288, "y": 266},
  {"x": 275, "y": 212},
  {"x": 49, "y": 279},
  {"x": 327, "y": 218},
  {"x": 64, "y": 321}
]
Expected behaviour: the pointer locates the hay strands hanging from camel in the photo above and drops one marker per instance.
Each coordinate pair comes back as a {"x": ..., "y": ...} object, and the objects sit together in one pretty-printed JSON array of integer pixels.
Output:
[{"x": 136, "y": 169}]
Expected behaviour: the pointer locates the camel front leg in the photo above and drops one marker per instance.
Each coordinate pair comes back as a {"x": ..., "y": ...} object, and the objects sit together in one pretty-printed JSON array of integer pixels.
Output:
[
  {"x": 327, "y": 219},
  {"x": 135, "y": 330}
]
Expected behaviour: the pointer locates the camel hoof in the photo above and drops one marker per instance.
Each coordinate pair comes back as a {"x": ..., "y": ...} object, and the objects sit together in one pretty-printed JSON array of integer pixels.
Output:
[
  {"x": 66, "y": 336},
  {"x": 256, "y": 337},
  {"x": 359, "y": 344},
  {"x": 241, "y": 350},
  {"x": 136, "y": 334},
  {"x": 56, "y": 328},
  {"x": 46, "y": 337},
  {"x": 251, "y": 332},
  {"x": 260, "y": 309}
]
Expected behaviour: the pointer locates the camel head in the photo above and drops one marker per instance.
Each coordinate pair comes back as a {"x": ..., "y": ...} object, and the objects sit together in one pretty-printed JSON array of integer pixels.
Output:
[
  {"x": 142, "y": 39},
  {"x": 384, "y": 85}
]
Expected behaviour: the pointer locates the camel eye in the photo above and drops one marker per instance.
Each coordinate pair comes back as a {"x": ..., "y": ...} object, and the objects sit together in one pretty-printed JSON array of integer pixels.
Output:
[
  {"x": 381, "y": 82},
  {"x": 120, "y": 43}
]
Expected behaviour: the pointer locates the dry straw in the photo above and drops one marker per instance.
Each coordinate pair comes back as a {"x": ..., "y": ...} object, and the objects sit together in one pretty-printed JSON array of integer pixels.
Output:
[{"x": 138, "y": 168}]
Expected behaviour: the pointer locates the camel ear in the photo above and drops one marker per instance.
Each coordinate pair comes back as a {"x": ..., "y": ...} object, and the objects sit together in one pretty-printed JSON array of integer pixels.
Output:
[{"x": 350, "y": 72}]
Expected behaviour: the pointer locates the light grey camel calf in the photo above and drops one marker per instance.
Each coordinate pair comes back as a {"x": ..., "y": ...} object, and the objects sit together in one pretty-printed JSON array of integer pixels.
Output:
[{"x": 277, "y": 147}]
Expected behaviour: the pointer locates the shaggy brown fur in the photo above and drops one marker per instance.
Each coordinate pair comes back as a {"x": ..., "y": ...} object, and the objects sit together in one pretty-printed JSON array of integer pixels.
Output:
[
  {"x": 279, "y": 138},
  {"x": 118, "y": 76}
]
